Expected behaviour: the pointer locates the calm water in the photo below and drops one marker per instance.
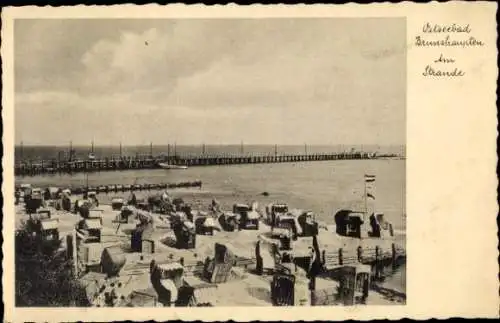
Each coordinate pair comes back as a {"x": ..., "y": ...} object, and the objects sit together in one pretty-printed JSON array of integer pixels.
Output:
[
  {"x": 323, "y": 187},
  {"x": 396, "y": 281}
]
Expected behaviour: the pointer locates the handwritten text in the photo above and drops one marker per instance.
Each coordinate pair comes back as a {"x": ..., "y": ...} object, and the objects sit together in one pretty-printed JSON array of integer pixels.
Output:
[{"x": 445, "y": 36}]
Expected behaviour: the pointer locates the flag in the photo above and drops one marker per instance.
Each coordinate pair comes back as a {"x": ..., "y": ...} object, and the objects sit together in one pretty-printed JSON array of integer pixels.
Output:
[
  {"x": 370, "y": 195},
  {"x": 369, "y": 178}
]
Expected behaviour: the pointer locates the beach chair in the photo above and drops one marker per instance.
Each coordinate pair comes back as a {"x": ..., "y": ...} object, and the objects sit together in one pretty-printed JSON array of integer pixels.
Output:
[
  {"x": 167, "y": 278},
  {"x": 117, "y": 203},
  {"x": 223, "y": 262},
  {"x": 354, "y": 284},
  {"x": 221, "y": 273},
  {"x": 197, "y": 292},
  {"x": 283, "y": 289},
  {"x": 324, "y": 297}
]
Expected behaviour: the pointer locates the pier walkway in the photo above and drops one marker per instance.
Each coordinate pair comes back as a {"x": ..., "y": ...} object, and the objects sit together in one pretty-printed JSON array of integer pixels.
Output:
[{"x": 31, "y": 168}]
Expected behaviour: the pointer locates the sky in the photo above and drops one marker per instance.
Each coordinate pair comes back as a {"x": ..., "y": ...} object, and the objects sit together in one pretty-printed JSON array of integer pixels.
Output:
[{"x": 216, "y": 81}]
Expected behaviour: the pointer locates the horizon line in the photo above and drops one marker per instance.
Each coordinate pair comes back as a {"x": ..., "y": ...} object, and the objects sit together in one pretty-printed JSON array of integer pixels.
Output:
[{"x": 195, "y": 144}]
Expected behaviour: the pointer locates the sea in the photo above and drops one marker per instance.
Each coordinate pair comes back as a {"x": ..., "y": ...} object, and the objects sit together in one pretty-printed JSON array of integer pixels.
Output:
[{"x": 323, "y": 187}]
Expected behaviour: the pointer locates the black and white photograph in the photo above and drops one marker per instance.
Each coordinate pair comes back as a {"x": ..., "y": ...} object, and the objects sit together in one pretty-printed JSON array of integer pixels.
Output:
[{"x": 209, "y": 162}]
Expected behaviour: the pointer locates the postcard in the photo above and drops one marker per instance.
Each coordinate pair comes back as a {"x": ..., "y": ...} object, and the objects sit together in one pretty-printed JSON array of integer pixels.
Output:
[{"x": 265, "y": 162}]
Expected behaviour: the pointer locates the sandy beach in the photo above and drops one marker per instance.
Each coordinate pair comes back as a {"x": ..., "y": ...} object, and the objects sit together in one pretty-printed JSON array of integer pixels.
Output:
[{"x": 247, "y": 290}]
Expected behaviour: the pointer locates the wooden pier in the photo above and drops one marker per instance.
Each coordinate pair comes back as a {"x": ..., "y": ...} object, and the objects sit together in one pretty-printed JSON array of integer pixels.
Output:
[{"x": 33, "y": 167}]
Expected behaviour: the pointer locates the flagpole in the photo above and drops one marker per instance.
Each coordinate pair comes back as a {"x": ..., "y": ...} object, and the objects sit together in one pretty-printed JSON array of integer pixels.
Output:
[
  {"x": 366, "y": 206},
  {"x": 368, "y": 179},
  {"x": 87, "y": 176}
]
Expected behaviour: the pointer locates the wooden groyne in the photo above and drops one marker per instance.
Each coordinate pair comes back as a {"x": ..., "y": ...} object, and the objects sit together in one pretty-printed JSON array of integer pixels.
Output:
[
  {"x": 31, "y": 168},
  {"x": 129, "y": 187},
  {"x": 378, "y": 257}
]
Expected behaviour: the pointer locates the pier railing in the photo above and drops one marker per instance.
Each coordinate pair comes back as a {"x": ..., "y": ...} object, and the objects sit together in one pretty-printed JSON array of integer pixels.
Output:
[{"x": 38, "y": 167}]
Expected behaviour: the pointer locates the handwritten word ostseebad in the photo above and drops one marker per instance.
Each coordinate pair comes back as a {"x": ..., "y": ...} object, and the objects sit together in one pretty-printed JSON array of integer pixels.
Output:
[{"x": 453, "y": 28}]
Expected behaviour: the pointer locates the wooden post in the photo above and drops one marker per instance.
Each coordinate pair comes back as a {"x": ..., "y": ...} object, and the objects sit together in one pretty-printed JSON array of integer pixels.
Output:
[
  {"x": 314, "y": 268},
  {"x": 394, "y": 256},
  {"x": 70, "y": 157},
  {"x": 259, "y": 261},
  {"x": 377, "y": 262},
  {"x": 360, "y": 254},
  {"x": 69, "y": 246},
  {"x": 341, "y": 257},
  {"x": 312, "y": 289},
  {"x": 366, "y": 205},
  {"x": 75, "y": 254}
]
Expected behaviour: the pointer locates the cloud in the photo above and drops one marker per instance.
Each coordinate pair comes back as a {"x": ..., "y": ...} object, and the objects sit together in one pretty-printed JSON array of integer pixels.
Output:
[
  {"x": 155, "y": 58},
  {"x": 262, "y": 81}
]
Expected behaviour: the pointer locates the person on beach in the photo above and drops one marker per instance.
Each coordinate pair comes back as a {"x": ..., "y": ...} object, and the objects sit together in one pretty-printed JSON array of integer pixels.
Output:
[
  {"x": 17, "y": 196},
  {"x": 215, "y": 207},
  {"x": 165, "y": 201},
  {"x": 46, "y": 194},
  {"x": 133, "y": 199},
  {"x": 189, "y": 214},
  {"x": 164, "y": 196},
  {"x": 273, "y": 220},
  {"x": 313, "y": 268}
]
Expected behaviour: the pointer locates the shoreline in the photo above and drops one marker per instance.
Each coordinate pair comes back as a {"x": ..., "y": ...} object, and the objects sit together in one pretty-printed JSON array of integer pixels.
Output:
[{"x": 201, "y": 196}]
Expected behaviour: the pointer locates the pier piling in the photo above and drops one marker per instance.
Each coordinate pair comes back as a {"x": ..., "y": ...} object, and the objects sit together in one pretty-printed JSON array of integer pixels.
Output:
[
  {"x": 393, "y": 256},
  {"x": 360, "y": 253},
  {"x": 149, "y": 161},
  {"x": 377, "y": 262}
]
